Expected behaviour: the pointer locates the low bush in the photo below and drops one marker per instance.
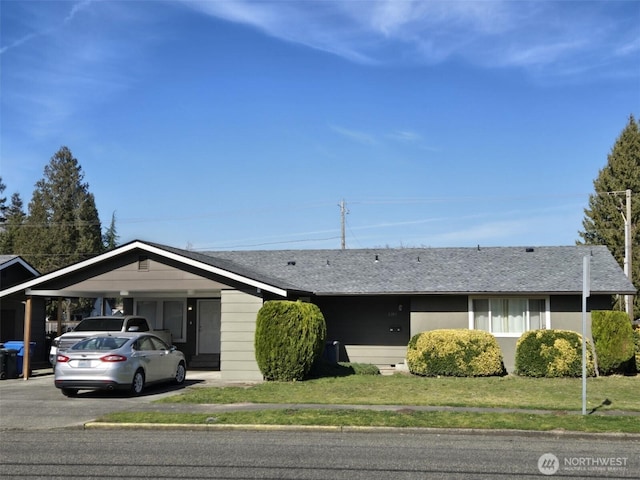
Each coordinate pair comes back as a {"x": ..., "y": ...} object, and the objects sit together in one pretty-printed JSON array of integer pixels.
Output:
[
  {"x": 322, "y": 368},
  {"x": 363, "y": 368},
  {"x": 289, "y": 338},
  {"x": 614, "y": 342},
  {"x": 455, "y": 353},
  {"x": 552, "y": 353}
]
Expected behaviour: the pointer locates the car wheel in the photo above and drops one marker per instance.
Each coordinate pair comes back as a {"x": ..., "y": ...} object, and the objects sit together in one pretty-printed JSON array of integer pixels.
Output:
[
  {"x": 138, "y": 382},
  {"x": 181, "y": 373},
  {"x": 69, "y": 392}
]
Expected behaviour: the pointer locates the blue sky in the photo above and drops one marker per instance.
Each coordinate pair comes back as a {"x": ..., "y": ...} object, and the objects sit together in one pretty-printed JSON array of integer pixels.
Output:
[{"x": 242, "y": 125}]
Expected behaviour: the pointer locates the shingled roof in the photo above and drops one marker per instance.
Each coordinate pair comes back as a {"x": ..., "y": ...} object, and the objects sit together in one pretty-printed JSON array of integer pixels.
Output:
[{"x": 491, "y": 270}]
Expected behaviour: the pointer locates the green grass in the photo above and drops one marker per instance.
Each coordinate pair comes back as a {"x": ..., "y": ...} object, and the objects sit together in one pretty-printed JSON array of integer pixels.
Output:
[
  {"x": 603, "y": 393},
  {"x": 561, "y": 396},
  {"x": 405, "y": 418}
]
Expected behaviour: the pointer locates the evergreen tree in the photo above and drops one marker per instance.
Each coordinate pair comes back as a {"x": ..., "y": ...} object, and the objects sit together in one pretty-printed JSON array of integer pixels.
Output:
[
  {"x": 62, "y": 226},
  {"x": 110, "y": 239},
  {"x": 14, "y": 217},
  {"x": 603, "y": 222},
  {"x": 3, "y": 202}
]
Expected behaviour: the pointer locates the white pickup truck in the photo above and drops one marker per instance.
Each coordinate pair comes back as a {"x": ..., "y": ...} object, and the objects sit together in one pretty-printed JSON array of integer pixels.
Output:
[{"x": 96, "y": 325}]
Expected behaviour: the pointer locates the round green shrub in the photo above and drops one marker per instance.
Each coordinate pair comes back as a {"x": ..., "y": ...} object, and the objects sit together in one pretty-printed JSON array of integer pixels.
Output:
[
  {"x": 455, "y": 353},
  {"x": 289, "y": 337},
  {"x": 614, "y": 342},
  {"x": 552, "y": 353}
]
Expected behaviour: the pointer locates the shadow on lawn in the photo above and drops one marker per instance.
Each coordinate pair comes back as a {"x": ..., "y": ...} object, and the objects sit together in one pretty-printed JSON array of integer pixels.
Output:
[
  {"x": 323, "y": 368},
  {"x": 605, "y": 402}
]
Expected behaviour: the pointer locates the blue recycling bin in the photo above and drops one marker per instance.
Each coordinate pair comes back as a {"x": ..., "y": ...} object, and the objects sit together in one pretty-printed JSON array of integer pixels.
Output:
[{"x": 18, "y": 345}]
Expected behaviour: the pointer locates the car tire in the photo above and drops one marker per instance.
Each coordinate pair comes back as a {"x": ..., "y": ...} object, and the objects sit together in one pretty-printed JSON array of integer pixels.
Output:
[
  {"x": 137, "y": 385},
  {"x": 69, "y": 392},
  {"x": 181, "y": 374}
]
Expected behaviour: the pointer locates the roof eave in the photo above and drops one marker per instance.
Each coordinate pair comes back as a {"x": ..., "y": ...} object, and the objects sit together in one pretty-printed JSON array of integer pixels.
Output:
[{"x": 28, "y": 286}]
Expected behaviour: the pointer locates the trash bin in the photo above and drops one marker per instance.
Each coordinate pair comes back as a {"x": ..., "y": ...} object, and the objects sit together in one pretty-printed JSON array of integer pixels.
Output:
[
  {"x": 19, "y": 346},
  {"x": 8, "y": 363}
]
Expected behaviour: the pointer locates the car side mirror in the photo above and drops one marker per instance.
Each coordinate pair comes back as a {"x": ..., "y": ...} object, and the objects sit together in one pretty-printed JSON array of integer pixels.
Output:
[{"x": 133, "y": 328}]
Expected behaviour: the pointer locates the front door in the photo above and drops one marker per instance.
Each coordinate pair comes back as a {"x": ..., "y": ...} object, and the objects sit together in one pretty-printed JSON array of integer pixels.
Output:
[{"x": 209, "y": 326}]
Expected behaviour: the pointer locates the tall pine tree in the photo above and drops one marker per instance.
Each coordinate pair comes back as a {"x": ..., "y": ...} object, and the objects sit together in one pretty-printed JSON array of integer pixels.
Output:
[
  {"x": 14, "y": 217},
  {"x": 603, "y": 221},
  {"x": 3, "y": 202},
  {"x": 62, "y": 226},
  {"x": 110, "y": 238},
  {"x": 11, "y": 218}
]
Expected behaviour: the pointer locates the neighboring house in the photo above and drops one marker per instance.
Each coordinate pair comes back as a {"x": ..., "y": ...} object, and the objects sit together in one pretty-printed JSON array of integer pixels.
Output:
[
  {"x": 13, "y": 271},
  {"x": 373, "y": 300}
]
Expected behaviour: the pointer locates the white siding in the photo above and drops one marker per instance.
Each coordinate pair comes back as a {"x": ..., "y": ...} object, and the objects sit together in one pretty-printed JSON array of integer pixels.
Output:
[{"x": 238, "y": 325}]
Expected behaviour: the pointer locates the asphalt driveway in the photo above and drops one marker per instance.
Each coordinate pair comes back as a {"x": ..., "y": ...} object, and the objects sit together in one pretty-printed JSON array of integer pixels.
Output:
[{"x": 37, "y": 404}]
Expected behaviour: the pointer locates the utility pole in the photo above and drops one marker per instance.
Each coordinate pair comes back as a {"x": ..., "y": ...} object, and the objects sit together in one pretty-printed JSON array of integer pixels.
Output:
[
  {"x": 628, "y": 299},
  {"x": 343, "y": 212}
]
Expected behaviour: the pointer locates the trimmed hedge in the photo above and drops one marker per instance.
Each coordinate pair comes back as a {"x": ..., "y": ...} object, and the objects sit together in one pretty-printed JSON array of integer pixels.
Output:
[
  {"x": 289, "y": 337},
  {"x": 455, "y": 353},
  {"x": 614, "y": 342},
  {"x": 552, "y": 353}
]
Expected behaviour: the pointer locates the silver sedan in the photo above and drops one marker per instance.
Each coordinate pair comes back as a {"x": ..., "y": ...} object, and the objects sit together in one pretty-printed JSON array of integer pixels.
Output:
[{"x": 118, "y": 361}]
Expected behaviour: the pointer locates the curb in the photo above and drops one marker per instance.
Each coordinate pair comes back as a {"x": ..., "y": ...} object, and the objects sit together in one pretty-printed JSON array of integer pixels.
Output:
[{"x": 354, "y": 429}]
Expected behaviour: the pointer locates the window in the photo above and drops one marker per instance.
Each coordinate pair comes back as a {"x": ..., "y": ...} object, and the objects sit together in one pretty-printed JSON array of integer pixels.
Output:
[
  {"x": 138, "y": 325},
  {"x": 147, "y": 309},
  {"x": 173, "y": 316},
  {"x": 508, "y": 316},
  {"x": 165, "y": 314},
  {"x": 145, "y": 343}
]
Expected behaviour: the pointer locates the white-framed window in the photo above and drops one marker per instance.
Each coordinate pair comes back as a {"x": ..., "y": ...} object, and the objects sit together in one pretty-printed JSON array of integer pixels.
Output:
[
  {"x": 169, "y": 314},
  {"x": 508, "y": 316}
]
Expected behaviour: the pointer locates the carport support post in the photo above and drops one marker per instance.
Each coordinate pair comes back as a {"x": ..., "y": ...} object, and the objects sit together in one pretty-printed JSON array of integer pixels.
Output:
[
  {"x": 59, "y": 330},
  {"x": 26, "y": 363}
]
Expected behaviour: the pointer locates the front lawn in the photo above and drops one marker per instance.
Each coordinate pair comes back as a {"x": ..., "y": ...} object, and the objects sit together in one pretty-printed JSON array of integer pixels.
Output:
[
  {"x": 563, "y": 394},
  {"x": 404, "y": 418}
]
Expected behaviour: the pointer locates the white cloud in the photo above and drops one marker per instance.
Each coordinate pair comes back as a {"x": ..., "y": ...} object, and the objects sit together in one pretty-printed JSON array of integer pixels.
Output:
[
  {"x": 48, "y": 29},
  {"x": 50, "y": 74},
  {"x": 405, "y": 136},
  {"x": 355, "y": 135},
  {"x": 549, "y": 37}
]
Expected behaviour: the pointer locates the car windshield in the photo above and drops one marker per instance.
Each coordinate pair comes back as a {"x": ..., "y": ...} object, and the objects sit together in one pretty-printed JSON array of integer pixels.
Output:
[
  {"x": 100, "y": 325},
  {"x": 100, "y": 343}
]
